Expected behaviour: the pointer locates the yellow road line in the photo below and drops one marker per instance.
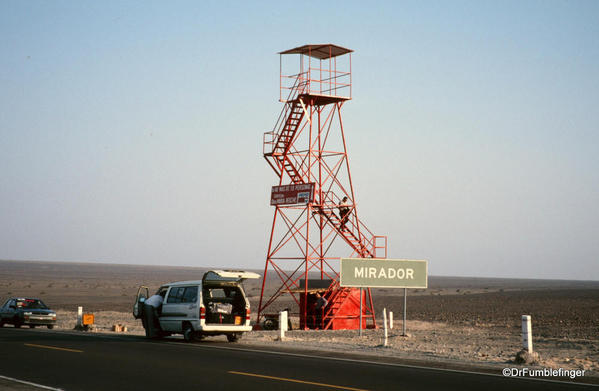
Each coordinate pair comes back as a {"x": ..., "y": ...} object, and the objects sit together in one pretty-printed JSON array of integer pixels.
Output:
[
  {"x": 53, "y": 347},
  {"x": 296, "y": 381}
]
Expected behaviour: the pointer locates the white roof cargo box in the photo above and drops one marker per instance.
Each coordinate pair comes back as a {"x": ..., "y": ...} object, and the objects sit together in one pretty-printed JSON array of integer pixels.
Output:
[{"x": 228, "y": 275}]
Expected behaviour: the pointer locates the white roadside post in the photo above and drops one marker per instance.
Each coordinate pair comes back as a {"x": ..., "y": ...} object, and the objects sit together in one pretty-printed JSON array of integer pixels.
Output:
[
  {"x": 391, "y": 320},
  {"x": 527, "y": 333},
  {"x": 405, "y": 311},
  {"x": 79, "y": 316},
  {"x": 361, "y": 299},
  {"x": 282, "y": 324},
  {"x": 385, "y": 325}
]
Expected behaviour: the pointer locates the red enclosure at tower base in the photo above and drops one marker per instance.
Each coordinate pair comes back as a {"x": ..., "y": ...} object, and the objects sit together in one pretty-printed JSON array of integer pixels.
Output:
[{"x": 347, "y": 315}]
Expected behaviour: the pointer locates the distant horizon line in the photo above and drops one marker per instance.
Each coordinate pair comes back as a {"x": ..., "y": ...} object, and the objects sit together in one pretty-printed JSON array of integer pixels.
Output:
[{"x": 261, "y": 269}]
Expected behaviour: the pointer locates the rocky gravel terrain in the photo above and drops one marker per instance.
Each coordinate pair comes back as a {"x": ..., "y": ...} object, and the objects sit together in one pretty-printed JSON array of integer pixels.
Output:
[
  {"x": 572, "y": 313},
  {"x": 468, "y": 320}
]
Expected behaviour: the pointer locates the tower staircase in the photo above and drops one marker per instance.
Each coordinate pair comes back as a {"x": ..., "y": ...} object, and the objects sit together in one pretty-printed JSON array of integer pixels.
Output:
[{"x": 277, "y": 153}]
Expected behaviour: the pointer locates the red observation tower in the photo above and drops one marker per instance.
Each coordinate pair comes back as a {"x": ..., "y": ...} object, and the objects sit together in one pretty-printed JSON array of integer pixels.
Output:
[{"x": 313, "y": 226}]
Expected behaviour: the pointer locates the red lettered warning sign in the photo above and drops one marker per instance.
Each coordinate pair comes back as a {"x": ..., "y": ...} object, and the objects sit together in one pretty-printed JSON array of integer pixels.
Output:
[{"x": 292, "y": 194}]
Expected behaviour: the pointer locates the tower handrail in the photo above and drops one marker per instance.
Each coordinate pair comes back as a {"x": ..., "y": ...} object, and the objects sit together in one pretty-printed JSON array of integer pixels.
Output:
[
  {"x": 332, "y": 81},
  {"x": 298, "y": 85},
  {"x": 357, "y": 228},
  {"x": 294, "y": 90}
]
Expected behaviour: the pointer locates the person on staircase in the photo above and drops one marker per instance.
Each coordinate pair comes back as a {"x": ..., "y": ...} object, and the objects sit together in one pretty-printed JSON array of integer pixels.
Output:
[{"x": 344, "y": 209}]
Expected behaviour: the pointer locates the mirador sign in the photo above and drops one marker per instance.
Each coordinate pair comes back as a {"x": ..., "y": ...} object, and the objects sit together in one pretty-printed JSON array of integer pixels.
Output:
[{"x": 383, "y": 273}]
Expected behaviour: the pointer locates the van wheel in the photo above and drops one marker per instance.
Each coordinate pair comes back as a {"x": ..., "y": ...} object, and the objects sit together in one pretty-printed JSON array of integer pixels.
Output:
[
  {"x": 50, "y": 326},
  {"x": 233, "y": 337},
  {"x": 188, "y": 333}
]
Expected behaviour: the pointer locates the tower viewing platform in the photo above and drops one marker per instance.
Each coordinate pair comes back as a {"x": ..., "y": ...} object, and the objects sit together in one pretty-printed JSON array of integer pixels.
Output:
[{"x": 323, "y": 75}]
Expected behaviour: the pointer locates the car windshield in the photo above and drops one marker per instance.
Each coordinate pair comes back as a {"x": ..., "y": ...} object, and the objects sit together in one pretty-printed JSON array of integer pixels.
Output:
[{"x": 33, "y": 304}]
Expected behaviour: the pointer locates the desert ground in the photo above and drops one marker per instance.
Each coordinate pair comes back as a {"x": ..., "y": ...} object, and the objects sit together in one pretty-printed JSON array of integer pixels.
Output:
[{"x": 456, "y": 320}]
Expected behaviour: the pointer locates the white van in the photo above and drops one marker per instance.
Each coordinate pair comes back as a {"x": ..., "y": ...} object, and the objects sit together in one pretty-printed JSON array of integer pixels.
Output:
[{"x": 215, "y": 305}]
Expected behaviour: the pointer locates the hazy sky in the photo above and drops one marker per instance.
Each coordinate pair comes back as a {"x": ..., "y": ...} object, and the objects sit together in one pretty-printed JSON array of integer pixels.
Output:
[{"x": 131, "y": 132}]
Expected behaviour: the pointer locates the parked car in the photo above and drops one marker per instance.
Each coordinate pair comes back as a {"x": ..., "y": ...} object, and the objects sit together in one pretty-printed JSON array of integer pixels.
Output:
[
  {"x": 26, "y": 311},
  {"x": 215, "y": 305}
]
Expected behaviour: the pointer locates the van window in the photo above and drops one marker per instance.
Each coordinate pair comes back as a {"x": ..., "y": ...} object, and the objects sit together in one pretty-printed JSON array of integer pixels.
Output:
[
  {"x": 187, "y": 294},
  {"x": 216, "y": 293},
  {"x": 190, "y": 295},
  {"x": 175, "y": 294}
]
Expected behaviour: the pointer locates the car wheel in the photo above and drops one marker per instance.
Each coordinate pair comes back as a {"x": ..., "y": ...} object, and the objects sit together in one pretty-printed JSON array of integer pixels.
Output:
[
  {"x": 233, "y": 337},
  {"x": 50, "y": 326},
  {"x": 188, "y": 333},
  {"x": 17, "y": 322}
]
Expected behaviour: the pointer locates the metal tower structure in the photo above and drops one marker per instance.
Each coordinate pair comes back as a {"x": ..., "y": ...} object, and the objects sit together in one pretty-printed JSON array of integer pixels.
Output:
[{"x": 308, "y": 152}]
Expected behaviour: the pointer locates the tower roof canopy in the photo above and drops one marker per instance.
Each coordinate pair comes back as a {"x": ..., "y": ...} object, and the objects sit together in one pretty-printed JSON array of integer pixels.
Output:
[{"x": 320, "y": 51}]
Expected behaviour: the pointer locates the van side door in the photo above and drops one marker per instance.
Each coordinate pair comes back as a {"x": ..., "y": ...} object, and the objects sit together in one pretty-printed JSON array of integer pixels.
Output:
[
  {"x": 181, "y": 304},
  {"x": 143, "y": 292}
]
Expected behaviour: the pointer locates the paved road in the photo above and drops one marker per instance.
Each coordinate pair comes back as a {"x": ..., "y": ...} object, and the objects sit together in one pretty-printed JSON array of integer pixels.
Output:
[{"x": 72, "y": 361}]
